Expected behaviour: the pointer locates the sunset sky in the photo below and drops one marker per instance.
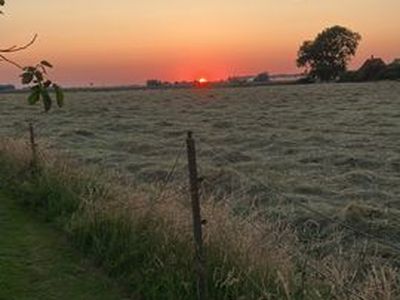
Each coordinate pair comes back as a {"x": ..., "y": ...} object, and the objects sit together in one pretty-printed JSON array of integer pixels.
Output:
[{"x": 128, "y": 41}]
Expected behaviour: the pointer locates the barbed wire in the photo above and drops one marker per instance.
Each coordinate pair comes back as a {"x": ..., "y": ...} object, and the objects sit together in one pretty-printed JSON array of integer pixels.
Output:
[
  {"x": 273, "y": 191},
  {"x": 171, "y": 173},
  {"x": 262, "y": 231},
  {"x": 309, "y": 209},
  {"x": 221, "y": 154},
  {"x": 313, "y": 211},
  {"x": 168, "y": 179},
  {"x": 299, "y": 256}
]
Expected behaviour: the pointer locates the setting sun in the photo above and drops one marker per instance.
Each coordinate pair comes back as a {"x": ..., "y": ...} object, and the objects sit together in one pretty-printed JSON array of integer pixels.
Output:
[
  {"x": 184, "y": 40},
  {"x": 213, "y": 149}
]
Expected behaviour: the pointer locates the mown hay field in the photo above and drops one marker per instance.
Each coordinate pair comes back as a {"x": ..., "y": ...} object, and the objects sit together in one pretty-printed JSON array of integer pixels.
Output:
[{"x": 324, "y": 145}]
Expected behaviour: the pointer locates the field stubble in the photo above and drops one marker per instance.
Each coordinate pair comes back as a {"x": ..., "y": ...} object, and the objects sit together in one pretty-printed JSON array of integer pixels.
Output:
[
  {"x": 330, "y": 147},
  {"x": 326, "y": 145}
]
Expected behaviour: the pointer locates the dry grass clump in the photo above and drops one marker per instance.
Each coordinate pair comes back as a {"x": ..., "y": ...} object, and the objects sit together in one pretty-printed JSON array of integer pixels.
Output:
[{"x": 143, "y": 236}]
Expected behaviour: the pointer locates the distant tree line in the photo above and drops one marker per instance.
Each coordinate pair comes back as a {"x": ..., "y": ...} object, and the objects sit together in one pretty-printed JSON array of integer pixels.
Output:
[
  {"x": 259, "y": 79},
  {"x": 159, "y": 84},
  {"x": 373, "y": 69},
  {"x": 326, "y": 58},
  {"x": 154, "y": 83}
]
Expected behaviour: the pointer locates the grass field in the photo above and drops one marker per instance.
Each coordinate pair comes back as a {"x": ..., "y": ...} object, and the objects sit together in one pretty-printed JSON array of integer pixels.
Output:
[
  {"x": 329, "y": 145},
  {"x": 331, "y": 148},
  {"x": 36, "y": 263}
]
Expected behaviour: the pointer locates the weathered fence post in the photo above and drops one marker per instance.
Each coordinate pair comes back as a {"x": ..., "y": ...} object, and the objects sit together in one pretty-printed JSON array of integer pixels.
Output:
[
  {"x": 197, "y": 222},
  {"x": 33, "y": 147}
]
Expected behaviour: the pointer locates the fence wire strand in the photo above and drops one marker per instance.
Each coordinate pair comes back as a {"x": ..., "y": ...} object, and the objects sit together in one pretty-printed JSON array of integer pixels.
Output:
[
  {"x": 308, "y": 208},
  {"x": 253, "y": 179},
  {"x": 167, "y": 181}
]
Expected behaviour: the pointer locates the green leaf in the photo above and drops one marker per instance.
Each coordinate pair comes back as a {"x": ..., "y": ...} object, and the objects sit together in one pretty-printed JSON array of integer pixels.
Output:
[
  {"x": 47, "y": 84},
  {"x": 39, "y": 75},
  {"x": 59, "y": 95},
  {"x": 46, "y": 100},
  {"x": 30, "y": 69},
  {"x": 34, "y": 96},
  {"x": 46, "y": 64},
  {"x": 27, "y": 78}
]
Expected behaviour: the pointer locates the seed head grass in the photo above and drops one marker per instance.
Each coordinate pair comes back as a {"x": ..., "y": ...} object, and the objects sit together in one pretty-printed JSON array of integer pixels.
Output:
[{"x": 142, "y": 236}]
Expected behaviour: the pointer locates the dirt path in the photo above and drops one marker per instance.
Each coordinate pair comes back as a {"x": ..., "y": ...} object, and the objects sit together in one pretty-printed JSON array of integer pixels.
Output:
[{"x": 36, "y": 262}]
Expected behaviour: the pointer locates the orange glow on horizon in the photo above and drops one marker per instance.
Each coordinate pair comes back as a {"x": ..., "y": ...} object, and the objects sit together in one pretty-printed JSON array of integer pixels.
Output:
[
  {"x": 202, "y": 82},
  {"x": 180, "y": 40}
]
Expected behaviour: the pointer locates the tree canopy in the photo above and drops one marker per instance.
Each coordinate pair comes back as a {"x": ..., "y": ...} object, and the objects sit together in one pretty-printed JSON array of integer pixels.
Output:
[{"x": 327, "y": 56}]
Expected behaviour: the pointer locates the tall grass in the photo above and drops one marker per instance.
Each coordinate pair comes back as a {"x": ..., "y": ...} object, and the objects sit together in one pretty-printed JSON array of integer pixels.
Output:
[{"x": 142, "y": 236}]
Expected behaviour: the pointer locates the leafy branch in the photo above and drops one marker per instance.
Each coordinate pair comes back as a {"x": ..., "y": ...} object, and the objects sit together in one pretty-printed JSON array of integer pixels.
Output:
[
  {"x": 34, "y": 76},
  {"x": 37, "y": 75}
]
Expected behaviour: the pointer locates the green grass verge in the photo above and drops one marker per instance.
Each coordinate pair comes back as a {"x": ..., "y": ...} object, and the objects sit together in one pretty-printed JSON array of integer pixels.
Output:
[
  {"x": 147, "y": 245},
  {"x": 37, "y": 262},
  {"x": 149, "y": 250}
]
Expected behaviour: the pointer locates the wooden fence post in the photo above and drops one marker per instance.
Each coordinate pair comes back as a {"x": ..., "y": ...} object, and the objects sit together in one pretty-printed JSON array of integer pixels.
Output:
[
  {"x": 33, "y": 147},
  {"x": 197, "y": 222}
]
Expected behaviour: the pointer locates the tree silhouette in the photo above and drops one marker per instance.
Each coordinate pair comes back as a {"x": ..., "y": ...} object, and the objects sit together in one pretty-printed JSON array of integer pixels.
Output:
[
  {"x": 35, "y": 76},
  {"x": 262, "y": 77},
  {"x": 328, "y": 55}
]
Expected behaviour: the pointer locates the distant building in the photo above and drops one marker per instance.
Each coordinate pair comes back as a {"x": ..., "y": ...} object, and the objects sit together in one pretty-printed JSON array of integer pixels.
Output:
[
  {"x": 262, "y": 77},
  {"x": 371, "y": 69},
  {"x": 396, "y": 61},
  {"x": 183, "y": 84},
  {"x": 6, "y": 87},
  {"x": 154, "y": 83},
  {"x": 241, "y": 79},
  {"x": 374, "y": 69},
  {"x": 392, "y": 71}
]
